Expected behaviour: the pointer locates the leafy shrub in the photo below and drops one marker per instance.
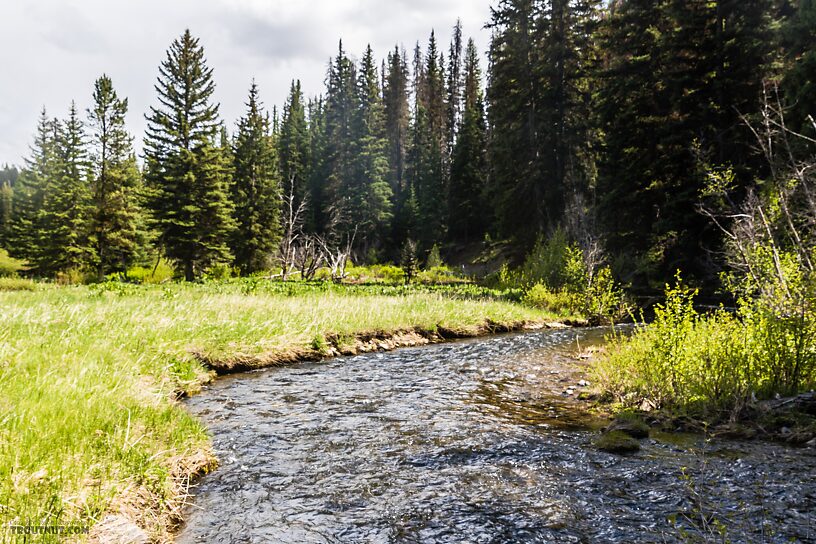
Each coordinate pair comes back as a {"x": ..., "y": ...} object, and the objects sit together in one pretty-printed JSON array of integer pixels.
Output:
[
  {"x": 16, "y": 284},
  {"x": 9, "y": 266},
  {"x": 75, "y": 276},
  {"x": 155, "y": 274},
  {"x": 439, "y": 274},
  {"x": 711, "y": 361},
  {"x": 539, "y": 296},
  {"x": 546, "y": 263},
  {"x": 219, "y": 271}
]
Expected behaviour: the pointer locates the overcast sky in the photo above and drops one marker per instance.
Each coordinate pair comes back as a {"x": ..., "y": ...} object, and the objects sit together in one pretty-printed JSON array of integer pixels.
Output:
[{"x": 51, "y": 51}]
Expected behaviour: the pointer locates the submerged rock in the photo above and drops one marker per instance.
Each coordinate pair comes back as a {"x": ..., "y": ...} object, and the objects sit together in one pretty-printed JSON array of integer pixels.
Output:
[{"x": 616, "y": 442}]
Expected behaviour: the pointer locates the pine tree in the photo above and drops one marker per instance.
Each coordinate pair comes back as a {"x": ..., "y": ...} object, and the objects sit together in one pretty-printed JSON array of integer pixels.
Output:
[
  {"x": 469, "y": 166},
  {"x": 293, "y": 145},
  {"x": 66, "y": 215},
  {"x": 255, "y": 190},
  {"x": 342, "y": 195},
  {"x": 318, "y": 165},
  {"x": 116, "y": 180},
  {"x": 454, "y": 84},
  {"x": 186, "y": 171},
  {"x": 679, "y": 78}
]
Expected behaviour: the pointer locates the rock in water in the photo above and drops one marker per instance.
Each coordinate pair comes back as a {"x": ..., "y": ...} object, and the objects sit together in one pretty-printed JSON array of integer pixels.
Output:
[{"x": 617, "y": 442}]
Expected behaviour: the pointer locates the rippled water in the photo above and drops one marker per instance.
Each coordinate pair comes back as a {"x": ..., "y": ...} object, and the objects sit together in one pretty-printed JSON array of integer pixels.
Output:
[{"x": 471, "y": 442}]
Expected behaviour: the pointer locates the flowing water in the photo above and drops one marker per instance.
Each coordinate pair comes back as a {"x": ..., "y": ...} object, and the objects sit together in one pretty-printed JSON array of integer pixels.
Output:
[{"x": 471, "y": 442}]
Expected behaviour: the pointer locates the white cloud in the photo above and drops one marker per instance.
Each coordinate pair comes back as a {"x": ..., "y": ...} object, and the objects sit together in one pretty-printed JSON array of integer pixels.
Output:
[{"x": 51, "y": 51}]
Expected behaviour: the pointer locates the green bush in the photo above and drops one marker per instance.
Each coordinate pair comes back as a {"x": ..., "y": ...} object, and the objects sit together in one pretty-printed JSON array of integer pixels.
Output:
[
  {"x": 16, "y": 284},
  {"x": 539, "y": 296},
  {"x": 9, "y": 266},
  {"x": 711, "y": 361},
  {"x": 153, "y": 274}
]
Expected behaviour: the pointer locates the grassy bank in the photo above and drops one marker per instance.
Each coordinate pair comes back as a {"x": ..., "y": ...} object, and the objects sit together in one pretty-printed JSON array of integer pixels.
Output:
[{"x": 89, "y": 423}]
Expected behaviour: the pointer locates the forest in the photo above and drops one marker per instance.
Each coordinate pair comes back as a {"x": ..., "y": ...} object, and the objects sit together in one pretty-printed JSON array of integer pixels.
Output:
[{"x": 605, "y": 121}]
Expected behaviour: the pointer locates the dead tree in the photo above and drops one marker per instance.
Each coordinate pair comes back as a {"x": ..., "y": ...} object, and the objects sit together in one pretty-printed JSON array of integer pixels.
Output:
[{"x": 292, "y": 219}]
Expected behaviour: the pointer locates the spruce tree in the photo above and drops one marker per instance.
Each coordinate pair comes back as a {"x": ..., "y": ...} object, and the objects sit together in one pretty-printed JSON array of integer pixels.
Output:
[
  {"x": 186, "y": 171},
  {"x": 342, "y": 195},
  {"x": 374, "y": 204},
  {"x": 429, "y": 145},
  {"x": 255, "y": 190},
  {"x": 454, "y": 84},
  {"x": 318, "y": 164},
  {"x": 116, "y": 181},
  {"x": 8, "y": 179},
  {"x": 799, "y": 81},
  {"x": 293, "y": 145},
  {"x": 66, "y": 216},
  {"x": 519, "y": 183},
  {"x": 397, "y": 117},
  {"x": 469, "y": 165},
  {"x": 25, "y": 236}
]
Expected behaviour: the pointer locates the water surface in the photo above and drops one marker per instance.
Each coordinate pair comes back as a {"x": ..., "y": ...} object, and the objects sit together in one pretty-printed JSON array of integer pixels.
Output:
[{"x": 471, "y": 442}]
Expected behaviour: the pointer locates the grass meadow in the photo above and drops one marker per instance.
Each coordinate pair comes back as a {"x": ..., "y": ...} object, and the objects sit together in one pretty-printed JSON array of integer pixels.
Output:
[{"x": 89, "y": 379}]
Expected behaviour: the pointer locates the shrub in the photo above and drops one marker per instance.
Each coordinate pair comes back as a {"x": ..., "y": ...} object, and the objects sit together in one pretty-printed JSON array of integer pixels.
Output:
[
  {"x": 16, "y": 284},
  {"x": 539, "y": 296},
  {"x": 154, "y": 274},
  {"x": 711, "y": 361},
  {"x": 9, "y": 266}
]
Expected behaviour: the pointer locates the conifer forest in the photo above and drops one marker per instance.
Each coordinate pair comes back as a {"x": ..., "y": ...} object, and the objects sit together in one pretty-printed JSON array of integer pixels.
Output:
[{"x": 550, "y": 279}]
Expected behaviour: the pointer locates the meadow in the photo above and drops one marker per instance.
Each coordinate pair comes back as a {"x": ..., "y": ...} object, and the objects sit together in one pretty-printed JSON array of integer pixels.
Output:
[{"x": 91, "y": 378}]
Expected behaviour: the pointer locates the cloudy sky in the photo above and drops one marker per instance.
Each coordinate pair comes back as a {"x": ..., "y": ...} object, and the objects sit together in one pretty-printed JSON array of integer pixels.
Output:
[{"x": 51, "y": 51}]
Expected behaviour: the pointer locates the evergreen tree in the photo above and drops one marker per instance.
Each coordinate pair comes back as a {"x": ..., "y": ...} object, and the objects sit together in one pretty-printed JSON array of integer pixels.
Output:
[
  {"x": 26, "y": 234},
  {"x": 255, "y": 190},
  {"x": 673, "y": 101},
  {"x": 519, "y": 185},
  {"x": 8, "y": 179},
  {"x": 116, "y": 180},
  {"x": 632, "y": 112},
  {"x": 66, "y": 215},
  {"x": 469, "y": 166},
  {"x": 397, "y": 117},
  {"x": 799, "y": 82},
  {"x": 374, "y": 207},
  {"x": 293, "y": 145},
  {"x": 454, "y": 84},
  {"x": 186, "y": 171},
  {"x": 429, "y": 142},
  {"x": 318, "y": 165},
  {"x": 342, "y": 196}
]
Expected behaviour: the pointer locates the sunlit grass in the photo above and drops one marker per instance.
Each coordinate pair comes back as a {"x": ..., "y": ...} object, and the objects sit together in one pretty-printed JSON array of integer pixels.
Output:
[{"x": 88, "y": 375}]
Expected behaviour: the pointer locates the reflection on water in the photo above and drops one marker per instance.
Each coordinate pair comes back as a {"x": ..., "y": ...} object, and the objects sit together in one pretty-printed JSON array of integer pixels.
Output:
[{"x": 470, "y": 442}]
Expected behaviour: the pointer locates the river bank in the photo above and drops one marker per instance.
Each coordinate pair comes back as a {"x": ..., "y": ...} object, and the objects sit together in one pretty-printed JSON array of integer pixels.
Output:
[{"x": 90, "y": 378}]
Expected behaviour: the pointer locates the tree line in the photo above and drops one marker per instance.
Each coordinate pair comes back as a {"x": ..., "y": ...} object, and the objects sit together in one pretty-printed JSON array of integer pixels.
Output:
[{"x": 601, "y": 118}]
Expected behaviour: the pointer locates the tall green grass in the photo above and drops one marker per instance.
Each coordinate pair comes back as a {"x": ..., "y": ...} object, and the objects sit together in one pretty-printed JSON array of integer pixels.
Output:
[
  {"x": 88, "y": 374},
  {"x": 712, "y": 364}
]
